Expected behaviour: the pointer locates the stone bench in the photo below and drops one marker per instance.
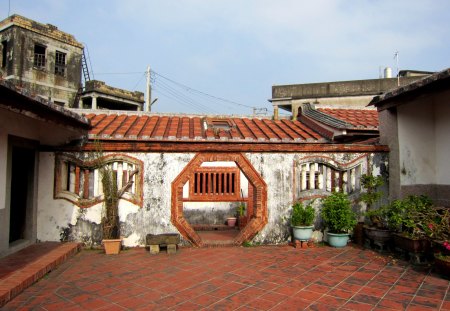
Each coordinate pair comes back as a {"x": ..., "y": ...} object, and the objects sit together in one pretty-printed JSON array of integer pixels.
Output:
[{"x": 168, "y": 240}]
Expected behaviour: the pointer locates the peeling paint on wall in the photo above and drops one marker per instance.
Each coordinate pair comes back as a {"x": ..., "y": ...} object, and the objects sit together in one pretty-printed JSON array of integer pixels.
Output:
[{"x": 56, "y": 217}]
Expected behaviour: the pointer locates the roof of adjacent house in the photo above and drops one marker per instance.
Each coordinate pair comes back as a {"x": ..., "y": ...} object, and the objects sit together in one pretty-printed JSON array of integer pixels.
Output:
[
  {"x": 138, "y": 131},
  {"x": 151, "y": 127},
  {"x": 361, "y": 118},
  {"x": 438, "y": 80},
  {"x": 349, "y": 125}
]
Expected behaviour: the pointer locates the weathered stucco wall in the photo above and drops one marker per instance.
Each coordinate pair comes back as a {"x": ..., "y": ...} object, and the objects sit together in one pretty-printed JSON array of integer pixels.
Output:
[
  {"x": 416, "y": 134},
  {"x": 60, "y": 218}
]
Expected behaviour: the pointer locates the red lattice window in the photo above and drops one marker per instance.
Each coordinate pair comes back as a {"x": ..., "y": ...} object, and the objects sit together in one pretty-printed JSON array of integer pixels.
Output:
[{"x": 215, "y": 183}]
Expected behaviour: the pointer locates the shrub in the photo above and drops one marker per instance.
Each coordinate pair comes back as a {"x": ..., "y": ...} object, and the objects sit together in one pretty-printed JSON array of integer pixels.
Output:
[
  {"x": 337, "y": 213},
  {"x": 302, "y": 216}
]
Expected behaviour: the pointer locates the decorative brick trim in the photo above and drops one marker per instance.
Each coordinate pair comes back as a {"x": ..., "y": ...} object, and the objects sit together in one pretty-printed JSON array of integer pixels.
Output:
[
  {"x": 224, "y": 146},
  {"x": 82, "y": 168},
  {"x": 257, "y": 218}
]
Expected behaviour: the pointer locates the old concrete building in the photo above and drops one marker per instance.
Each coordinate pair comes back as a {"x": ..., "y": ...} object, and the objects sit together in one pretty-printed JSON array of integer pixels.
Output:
[
  {"x": 355, "y": 94},
  {"x": 415, "y": 124},
  {"x": 98, "y": 95},
  {"x": 49, "y": 63},
  {"x": 41, "y": 58},
  {"x": 28, "y": 125}
]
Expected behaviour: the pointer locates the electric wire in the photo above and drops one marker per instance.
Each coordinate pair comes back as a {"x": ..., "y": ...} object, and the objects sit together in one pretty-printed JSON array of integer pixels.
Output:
[
  {"x": 195, "y": 99},
  {"x": 183, "y": 96},
  {"x": 189, "y": 89}
]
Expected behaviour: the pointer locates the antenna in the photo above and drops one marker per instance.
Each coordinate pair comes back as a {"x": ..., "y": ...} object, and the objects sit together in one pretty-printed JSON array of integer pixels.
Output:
[{"x": 398, "y": 72}]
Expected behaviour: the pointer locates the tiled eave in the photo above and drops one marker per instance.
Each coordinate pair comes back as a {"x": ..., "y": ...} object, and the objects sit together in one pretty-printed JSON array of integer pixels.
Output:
[
  {"x": 22, "y": 101},
  {"x": 144, "y": 127},
  {"x": 439, "y": 80},
  {"x": 340, "y": 124}
]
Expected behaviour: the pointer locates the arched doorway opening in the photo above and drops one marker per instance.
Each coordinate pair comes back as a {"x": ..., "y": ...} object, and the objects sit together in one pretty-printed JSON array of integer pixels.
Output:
[{"x": 210, "y": 188}]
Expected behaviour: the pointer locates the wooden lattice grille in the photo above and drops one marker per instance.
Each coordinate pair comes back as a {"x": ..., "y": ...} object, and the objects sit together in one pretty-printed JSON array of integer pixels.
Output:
[{"x": 216, "y": 183}]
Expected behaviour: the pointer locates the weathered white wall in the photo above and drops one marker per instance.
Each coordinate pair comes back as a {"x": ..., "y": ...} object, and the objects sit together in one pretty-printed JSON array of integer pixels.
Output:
[
  {"x": 417, "y": 144},
  {"x": 442, "y": 119},
  {"x": 55, "y": 216}
]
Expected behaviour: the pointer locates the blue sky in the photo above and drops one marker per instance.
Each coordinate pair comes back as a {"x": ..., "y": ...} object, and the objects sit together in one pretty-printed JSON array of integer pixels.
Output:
[{"x": 237, "y": 49}]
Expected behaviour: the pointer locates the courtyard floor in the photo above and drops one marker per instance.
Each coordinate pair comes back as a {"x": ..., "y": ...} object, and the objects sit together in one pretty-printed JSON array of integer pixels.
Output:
[{"x": 237, "y": 278}]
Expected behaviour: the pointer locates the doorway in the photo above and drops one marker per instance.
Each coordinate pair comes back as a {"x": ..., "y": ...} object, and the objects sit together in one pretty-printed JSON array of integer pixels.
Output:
[
  {"x": 210, "y": 185},
  {"x": 22, "y": 192}
]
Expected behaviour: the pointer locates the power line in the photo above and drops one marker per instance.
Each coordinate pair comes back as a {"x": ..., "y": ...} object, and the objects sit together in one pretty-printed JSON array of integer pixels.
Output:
[{"x": 187, "y": 88}]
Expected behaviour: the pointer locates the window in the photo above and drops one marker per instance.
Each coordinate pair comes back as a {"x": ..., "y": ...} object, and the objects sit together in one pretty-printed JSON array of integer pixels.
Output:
[
  {"x": 60, "y": 63},
  {"x": 4, "y": 51},
  {"x": 80, "y": 182},
  {"x": 323, "y": 177},
  {"x": 215, "y": 183},
  {"x": 39, "y": 56}
]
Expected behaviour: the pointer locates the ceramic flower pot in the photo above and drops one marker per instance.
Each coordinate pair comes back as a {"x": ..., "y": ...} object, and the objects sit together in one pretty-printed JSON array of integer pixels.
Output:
[
  {"x": 302, "y": 233},
  {"x": 338, "y": 239}
]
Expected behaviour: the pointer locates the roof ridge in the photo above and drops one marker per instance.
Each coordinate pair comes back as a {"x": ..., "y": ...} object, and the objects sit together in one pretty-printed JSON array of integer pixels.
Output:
[{"x": 309, "y": 110}]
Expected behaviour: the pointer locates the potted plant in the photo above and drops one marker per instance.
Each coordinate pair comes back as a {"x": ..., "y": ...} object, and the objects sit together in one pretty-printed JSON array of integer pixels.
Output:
[
  {"x": 241, "y": 217},
  {"x": 377, "y": 230},
  {"x": 339, "y": 217},
  {"x": 408, "y": 217},
  {"x": 438, "y": 231},
  {"x": 302, "y": 220},
  {"x": 112, "y": 194}
]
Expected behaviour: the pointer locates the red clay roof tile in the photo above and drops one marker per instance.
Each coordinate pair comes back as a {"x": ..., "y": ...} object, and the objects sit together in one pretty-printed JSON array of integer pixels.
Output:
[
  {"x": 116, "y": 126},
  {"x": 357, "y": 117}
]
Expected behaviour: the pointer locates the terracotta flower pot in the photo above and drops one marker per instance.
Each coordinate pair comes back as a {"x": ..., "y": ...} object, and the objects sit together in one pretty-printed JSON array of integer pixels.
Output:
[
  {"x": 442, "y": 265},
  {"x": 112, "y": 247},
  {"x": 231, "y": 221}
]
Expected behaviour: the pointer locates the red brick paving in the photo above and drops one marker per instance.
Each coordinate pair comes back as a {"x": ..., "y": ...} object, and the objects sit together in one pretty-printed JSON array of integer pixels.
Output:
[
  {"x": 21, "y": 269},
  {"x": 237, "y": 278}
]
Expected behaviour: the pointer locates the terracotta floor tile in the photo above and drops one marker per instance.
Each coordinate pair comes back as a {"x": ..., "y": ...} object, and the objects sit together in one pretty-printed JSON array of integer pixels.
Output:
[
  {"x": 261, "y": 304},
  {"x": 339, "y": 293},
  {"x": 331, "y": 300},
  {"x": 355, "y": 305},
  {"x": 393, "y": 304},
  {"x": 426, "y": 302},
  {"x": 236, "y": 278}
]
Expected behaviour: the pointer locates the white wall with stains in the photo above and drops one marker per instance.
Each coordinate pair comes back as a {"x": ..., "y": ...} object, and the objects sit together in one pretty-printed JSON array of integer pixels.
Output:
[{"x": 59, "y": 218}]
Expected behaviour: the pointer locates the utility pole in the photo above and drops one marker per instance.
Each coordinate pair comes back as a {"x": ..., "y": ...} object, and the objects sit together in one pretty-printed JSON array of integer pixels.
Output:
[{"x": 148, "y": 94}]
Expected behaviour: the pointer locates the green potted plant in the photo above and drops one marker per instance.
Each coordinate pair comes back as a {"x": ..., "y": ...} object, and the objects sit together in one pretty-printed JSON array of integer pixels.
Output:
[
  {"x": 302, "y": 220},
  {"x": 377, "y": 230},
  {"x": 438, "y": 231},
  {"x": 339, "y": 218},
  {"x": 408, "y": 217},
  {"x": 241, "y": 217}
]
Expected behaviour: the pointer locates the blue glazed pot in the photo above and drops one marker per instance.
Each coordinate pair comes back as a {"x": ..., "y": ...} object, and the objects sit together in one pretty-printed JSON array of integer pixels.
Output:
[
  {"x": 302, "y": 233},
  {"x": 338, "y": 239}
]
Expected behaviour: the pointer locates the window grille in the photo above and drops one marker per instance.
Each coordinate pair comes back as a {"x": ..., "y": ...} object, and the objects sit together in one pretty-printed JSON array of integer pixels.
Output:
[
  {"x": 39, "y": 56},
  {"x": 215, "y": 183},
  {"x": 80, "y": 182},
  {"x": 60, "y": 63},
  {"x": 315, "y": 176}
]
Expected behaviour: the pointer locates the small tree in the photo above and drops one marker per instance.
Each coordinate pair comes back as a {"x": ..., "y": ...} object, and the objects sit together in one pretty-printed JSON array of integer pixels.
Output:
[
  {"x": 371, "y": 184},
  {"x": 111, "y": 193}
]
